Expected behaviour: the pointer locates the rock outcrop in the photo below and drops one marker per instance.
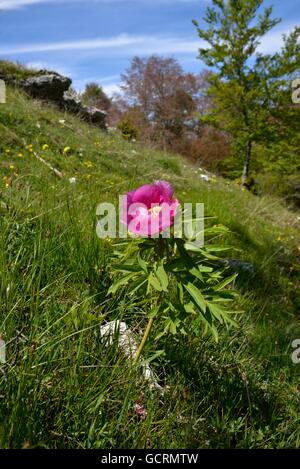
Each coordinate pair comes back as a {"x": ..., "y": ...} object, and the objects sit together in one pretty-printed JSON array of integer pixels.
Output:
[
  {"x": 89, "y": 114},
  {"x": 53, "y": 87},
  {"x": 49, "y": 87}
]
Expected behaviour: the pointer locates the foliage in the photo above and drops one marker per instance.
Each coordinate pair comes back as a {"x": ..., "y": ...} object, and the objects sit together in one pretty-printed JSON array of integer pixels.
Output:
[
  {"x": 94, "y": 96},
  {"x": 128, "y": 129},
  {"x": 250, "y": 90},
  {"x": 164, "y": 99},
  {"x": 184, "y": 282},
  {"x": 10, "y": 71},
  {"x": 63, "y": 386}
]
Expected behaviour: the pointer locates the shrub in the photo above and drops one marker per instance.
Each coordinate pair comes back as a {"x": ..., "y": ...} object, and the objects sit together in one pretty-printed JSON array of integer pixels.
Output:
[{"x": 128, "y": 129}]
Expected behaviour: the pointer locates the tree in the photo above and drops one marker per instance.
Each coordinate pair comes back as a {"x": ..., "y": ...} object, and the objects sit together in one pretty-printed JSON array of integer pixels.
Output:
[
  {"x": 249, "y": 89},
  {"x": 94, "y": 96},
  {"x": 163, "y": 96}
]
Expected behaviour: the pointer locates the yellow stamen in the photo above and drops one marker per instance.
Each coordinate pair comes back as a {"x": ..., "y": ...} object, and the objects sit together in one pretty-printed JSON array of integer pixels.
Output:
[{"x": 155, "y": 211}]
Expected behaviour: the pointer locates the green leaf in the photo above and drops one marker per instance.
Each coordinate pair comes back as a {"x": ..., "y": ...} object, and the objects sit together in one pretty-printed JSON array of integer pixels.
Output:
[
  {"x": 142, "y": 263},
  {"x": 157, "y": 354},
  {"x": 219, "y": 230},
  {"x": 127, "y": 268},
  {"x": 176, "y": 265},
  {"x": 137, "y": 284},
  {"x": 216, "y": 312},
  {"x": 116, "y": 285},
  {"x": 216, "y": 247},
  {"x": 180, "y": 291},
  {"x": 163, "y": 278},
  {"x": 220, "y": 314},
  {"x": 196, "y": 273},
  {"x": 193, "y": 246},
  {"x": 196, "y": 295},
  {"x": 154, "y": 282},
  {"x": 204, "y": 268},
  {"x": 225, "y": 282},
  {"x": 153, "y": 312},
  {"x": 189, "y": 308}
]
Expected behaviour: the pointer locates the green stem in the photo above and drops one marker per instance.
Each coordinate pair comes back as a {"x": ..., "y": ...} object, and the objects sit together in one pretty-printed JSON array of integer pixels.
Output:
[{"x": 144, "y": 339}]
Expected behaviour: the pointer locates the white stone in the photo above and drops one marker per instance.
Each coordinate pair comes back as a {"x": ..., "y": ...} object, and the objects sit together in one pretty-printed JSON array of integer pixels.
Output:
[{"x": 128, "y": 345}]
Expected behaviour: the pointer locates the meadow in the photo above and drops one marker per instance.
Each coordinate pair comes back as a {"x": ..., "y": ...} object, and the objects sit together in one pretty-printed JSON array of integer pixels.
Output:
[{"x": 61, "y": 385}]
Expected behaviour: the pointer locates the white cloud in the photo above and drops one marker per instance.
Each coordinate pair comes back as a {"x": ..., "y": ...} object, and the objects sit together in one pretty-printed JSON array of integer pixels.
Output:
[
  {"x": 42, "y": 65},
  {"x": 16, "y": 4},
  {"x": 273, "y": 40},
  {"x": 123, "y": 43},
  {"x": 111, "y": 89},
  {"x": 106, "y": 82},
  {"x": 126, "y": 44}
]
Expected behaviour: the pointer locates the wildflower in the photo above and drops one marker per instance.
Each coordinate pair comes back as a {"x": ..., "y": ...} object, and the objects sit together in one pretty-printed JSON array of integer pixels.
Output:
[
  {"x": 150, "y": 209},
  {"x": 140, "y": 411},
  {"x": 87, "y": 164},
  {"x": 62, "y": 121},
  {"x": 7, "y": 151},
  {"x": 45, "y": 146},
  {"x": 72, "y": 180},
  {"x": 67, "y": 150},
  {"x": 7, "y": 181},
  {"x": 20, "y": 155},
  {"x": 11, "y": 166}
]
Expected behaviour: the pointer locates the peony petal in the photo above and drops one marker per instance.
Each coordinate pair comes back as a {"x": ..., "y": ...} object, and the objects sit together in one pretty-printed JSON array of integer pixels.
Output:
[
  {"x": 139, "y": 219},
  {"x": 147, "y": 194},
  {"x": 167, "y": 214},
  {"x": 166, "y": 190}
]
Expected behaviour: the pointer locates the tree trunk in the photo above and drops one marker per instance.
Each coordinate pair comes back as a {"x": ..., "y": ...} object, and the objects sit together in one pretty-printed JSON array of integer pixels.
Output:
[{"x": 245, "y": 175}]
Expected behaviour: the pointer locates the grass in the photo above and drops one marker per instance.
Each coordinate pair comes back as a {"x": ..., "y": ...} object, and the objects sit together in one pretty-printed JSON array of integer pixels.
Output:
[
  {"x": 61, "y": 386},
  {"x": 11, "y": 71}
]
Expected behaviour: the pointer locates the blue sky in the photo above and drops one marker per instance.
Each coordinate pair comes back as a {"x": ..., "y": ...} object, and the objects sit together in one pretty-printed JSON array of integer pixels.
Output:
[{"x": 94, "y": 40}]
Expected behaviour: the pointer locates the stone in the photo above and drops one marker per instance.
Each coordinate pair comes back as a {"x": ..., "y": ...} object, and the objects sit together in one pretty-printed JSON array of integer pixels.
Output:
[
  {"x": 127, "y": 343},
  {"x": 53, "y": 87},
  {"x": 49, "y": 87},
  {"x": 238, "y": 265},
  {"x": 91, "y": 115}
]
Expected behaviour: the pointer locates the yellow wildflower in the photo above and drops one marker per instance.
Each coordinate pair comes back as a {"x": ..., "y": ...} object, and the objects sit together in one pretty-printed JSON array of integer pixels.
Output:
[
  {"x": 67, "y": 150},
  {"x": 45, "y": 146},
  {"x": 20, "y": 154},
  {"x": 87, "y": 164},
  {"x": 7, "y": 181}
]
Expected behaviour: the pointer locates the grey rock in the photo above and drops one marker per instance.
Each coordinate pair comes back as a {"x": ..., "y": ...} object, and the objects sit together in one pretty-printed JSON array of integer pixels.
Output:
[
  {"x": 50, "y": 87},
  {"x": 89, "y": 114},
  {"x": 71, "y": 104},
  {"x": 237, "y": 265},
  {"x": 53, "y": 87}
]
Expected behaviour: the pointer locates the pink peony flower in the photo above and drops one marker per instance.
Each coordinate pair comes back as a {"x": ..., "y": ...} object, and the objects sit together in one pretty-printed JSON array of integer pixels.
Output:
[{"x": 150, "y": 209}]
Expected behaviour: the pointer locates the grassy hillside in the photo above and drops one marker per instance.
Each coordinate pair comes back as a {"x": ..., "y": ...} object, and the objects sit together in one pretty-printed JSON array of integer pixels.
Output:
[{"x": 61, "y": 387}]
